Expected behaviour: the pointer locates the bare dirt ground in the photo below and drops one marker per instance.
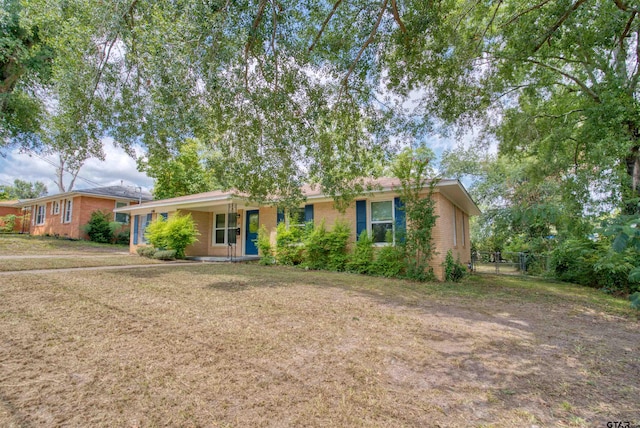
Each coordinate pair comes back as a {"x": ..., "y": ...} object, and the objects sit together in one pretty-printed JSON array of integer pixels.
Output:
[{"x": 245, "y": 345}]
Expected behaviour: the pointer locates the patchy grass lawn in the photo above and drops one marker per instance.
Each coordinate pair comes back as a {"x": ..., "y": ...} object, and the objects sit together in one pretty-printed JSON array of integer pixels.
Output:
[
  {"x": 24, "y": 252},
  {"x": 245, "y": 345},
  {"x": 34, "y": 245}
]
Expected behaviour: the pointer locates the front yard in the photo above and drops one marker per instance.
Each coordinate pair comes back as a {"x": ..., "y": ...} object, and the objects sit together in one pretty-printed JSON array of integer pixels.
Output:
[{"x": 245, "y": 345}]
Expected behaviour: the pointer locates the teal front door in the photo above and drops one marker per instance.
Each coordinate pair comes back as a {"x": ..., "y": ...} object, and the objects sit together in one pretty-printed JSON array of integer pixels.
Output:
[{"x": 251, "y": 233}]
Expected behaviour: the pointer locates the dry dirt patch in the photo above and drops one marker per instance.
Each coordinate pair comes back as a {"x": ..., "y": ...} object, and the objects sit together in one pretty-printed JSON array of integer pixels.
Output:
[{"x": 243, "y": 345}]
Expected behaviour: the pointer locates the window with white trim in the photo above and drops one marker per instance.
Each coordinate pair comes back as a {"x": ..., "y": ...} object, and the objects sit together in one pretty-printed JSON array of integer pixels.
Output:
[
  {"x": 67, "y": 210},
  {"x": 224, "y": 229},
  {"x": 122, "y": 217},
  {"x": 463, "y": 231},
  {"x": 40, "y": 214},
  {"x": 55, "y": 207},
  {"x": 382, "y": 221}
]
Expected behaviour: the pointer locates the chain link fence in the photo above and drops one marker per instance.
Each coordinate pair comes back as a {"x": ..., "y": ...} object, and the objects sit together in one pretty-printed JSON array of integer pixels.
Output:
[{"x": 510, "y": 263}]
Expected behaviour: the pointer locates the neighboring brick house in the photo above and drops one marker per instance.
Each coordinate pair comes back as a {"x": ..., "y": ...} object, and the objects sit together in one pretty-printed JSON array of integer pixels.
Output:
[
  {"x": 13, "y": 208},
  {"x": 66, "y": 213},
  {"x": 228, "y": 224}
]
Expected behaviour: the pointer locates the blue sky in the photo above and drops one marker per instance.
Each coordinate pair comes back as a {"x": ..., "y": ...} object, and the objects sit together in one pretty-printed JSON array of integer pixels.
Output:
[{"x": 116, "y": 168}]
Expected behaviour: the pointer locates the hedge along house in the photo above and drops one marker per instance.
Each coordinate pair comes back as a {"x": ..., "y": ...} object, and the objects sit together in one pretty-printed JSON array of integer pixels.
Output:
[
  {"x": 65, "y": 214},
  {"x": 228, "y": 224}
]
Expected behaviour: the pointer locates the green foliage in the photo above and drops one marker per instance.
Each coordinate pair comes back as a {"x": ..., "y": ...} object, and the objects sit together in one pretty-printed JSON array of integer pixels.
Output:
[
  {"x": 412, "y": 167},
  {"x": 98, "y": 228},
  {"x": 8, "y": 223},
  {"x": 264, "y": 246},
  {"x": 635, "y": 300},
  {"x": 164, "y": 255},
  {"x": 180, "y": 174},
  {"x": 24, "y": 190},
  {"x": 156, "y": 233},
  {"x": 389, "y": 262},
  {"x": 327, "y": 249},
  {"x": 361, "y": 261},
  {"x": 146, "y": 251},
  {"x": 595, "y": 264},
  {"x": 289, "y": 247},
  {"x": 176, "y": 233},
  {"x": 454, "y": 271}
]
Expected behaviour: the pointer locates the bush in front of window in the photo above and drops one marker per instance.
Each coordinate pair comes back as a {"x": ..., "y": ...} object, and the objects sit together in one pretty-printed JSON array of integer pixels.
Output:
[
  {"x": 176, "y": 233},
  {"x": 389, "y": 262},
  {"x": 325, "y": 249},
  {"x": 289, "y": 251},
  {"x": 8, "y": 223},
  {"x": 361, "y": 260},
  {"x": 98, "y": 228}
]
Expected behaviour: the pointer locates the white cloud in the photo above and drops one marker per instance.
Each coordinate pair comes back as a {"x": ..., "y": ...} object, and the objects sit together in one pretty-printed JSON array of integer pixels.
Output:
[{"x": 117, "y": 167}]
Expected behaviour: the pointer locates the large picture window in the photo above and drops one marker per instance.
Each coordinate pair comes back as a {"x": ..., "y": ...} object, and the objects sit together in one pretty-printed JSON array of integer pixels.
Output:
[{"x": 382, "y": 221}]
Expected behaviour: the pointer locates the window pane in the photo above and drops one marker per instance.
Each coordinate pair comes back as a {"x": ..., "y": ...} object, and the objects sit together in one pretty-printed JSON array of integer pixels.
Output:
[
  {"x": 219, "y": 221},
  {"x": 220, "y": 236},
  {"x": 380, "y": 232},
  {"x": 381, "y": 211}
]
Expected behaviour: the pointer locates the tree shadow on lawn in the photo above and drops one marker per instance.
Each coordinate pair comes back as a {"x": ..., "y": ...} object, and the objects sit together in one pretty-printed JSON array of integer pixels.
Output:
[{"x": 544, "y": 352}]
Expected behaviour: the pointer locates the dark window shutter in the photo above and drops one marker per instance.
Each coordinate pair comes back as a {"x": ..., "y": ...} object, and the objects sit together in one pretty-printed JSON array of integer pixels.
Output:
[
  {"x": 401, "y": 222},
  {"x": 308, "y": 212},
  {"x": 361, "y": 217},
  {"x": 136, "y": 225},
  {"x": 280, "y": 217}
]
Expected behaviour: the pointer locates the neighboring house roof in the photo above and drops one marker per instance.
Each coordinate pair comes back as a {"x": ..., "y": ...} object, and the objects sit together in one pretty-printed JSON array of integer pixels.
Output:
[
  {"x": 108, "y": 192},
  {"x": 450, "y": 188}
]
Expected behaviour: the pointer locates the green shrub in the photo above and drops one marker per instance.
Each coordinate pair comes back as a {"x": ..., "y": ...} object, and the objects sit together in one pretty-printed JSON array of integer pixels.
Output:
[
  {"x": 263, "y": 242},
  {"x": 8, "y": 223},
  {"x": 361, "y": 260},
  {"x": 635, "y": 300},
  {"x": 453, "y": 270},
  {"x": 316, "y": 255},
  {"x": 176, "y": 233},
  {"x": 337, "y": 244},
  {"x": 156, "y": 233},
  {"x": 289, "y": 247},
  {"x": 388, "y": 262},
  {"x": 146, "y": 251},
  {"x": 98, "y": 228},
  {"x": 165, "y": 255}
]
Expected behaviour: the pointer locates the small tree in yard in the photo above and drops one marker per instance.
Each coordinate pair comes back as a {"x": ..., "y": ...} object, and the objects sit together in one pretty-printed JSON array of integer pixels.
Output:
[
  {"x": 174, "y": 234},
  {"x": 98, "y": 228}
]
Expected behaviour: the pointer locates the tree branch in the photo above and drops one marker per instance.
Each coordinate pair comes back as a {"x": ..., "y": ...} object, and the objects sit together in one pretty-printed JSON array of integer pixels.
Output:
[
  {"x": 557, "y": 25},
  {"x": 625, "y": 7},
  {"x": 493, "y": 17},
  {"x": 396, "y": 16},
  {"x": 324, "y": 24},
  {"x": 366, "y": 43},
  {"x": 518, "y": 15},
  {"x": 579, "y": 82},
  {"x": 273, "y": 43},
  {"x": 251, "y": 38}
]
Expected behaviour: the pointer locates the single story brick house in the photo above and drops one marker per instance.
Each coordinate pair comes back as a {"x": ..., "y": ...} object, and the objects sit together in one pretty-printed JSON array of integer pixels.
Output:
[
  {"x": 64, "y": 214},
  {"x": 228, "y": 224}
]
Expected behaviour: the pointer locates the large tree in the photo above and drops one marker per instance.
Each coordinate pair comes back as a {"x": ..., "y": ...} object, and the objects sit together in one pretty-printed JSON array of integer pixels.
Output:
[
  {"x": 555, "y": 81},
  {"x": 318, "y": 91},
  {"x": 24, "y": 190}
]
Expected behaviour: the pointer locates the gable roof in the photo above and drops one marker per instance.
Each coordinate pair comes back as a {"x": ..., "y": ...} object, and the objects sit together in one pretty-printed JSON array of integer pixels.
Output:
[
  {"x": 450, "y": 188},
  {"x": 107, "y": 192}
]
